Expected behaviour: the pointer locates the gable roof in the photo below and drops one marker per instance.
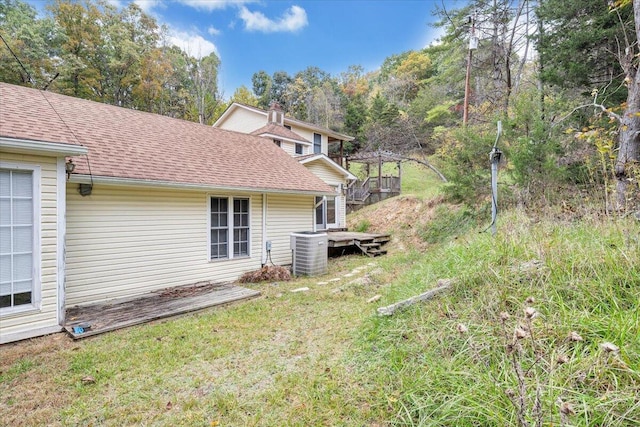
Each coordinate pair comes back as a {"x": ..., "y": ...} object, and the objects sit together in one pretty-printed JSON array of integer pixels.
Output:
[
  {"x": 332, "y": 135},
  {"x": 273, "y": 130},
  {"x": 322, "y": 158},
  {"x": 132, "y": 146}
]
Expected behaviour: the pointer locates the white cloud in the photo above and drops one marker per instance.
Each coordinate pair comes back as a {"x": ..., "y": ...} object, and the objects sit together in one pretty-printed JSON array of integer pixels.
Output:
[
  {"x": 148, "y": 5},
  {"x": 192, "y": 43},
  {"x": 292, "y": 20},
  {"x": 214, "y": 4},
  {"x": 213, "y": 31},
  {"x": 115, "y": 3}
]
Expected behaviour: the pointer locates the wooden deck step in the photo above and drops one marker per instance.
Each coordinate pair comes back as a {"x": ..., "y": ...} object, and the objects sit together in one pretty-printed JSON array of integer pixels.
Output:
[
  {"x": 377, "y": 252},
  {"x": 370, "y": 245}
]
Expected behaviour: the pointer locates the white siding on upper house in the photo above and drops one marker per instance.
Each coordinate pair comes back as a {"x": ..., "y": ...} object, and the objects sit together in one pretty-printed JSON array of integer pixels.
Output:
[
  {"x": 308, "y": 135},
  {"x": 334, "y": 178},
  {"x": 289, "y": 148},
  {"x": 44, "y": 317},
  {"x": 124, "y": 242},
  {"x": 245, "y": 121}
]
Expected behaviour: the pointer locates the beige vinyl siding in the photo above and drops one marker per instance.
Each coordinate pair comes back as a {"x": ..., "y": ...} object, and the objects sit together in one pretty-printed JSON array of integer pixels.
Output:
[
  {"x": 333, "y": 178},
  {"x": 289, "y": 148},
  {"x": 244, "y": 121},
  {"x": 285, "y": 215},
  {"x": 43, "y": 319},
  {"x": 308, "y": 135},
  {"x": 123, "y": 242}
]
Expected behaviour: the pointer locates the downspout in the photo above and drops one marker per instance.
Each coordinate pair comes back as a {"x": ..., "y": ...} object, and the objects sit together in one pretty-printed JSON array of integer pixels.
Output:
[
  {"x": 264, "y": 229},
  {"x": 61, "y": 241}
]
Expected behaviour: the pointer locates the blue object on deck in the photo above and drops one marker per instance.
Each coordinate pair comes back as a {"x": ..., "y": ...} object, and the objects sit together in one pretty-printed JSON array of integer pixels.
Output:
[{"x": 78, "y": 330}]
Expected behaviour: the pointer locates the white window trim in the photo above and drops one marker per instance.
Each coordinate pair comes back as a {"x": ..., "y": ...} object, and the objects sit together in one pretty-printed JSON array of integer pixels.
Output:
[
  {"x": 314, "y": 143},
  {"x": 230, "y": 227},
  {"x": 36, "y": 296}
]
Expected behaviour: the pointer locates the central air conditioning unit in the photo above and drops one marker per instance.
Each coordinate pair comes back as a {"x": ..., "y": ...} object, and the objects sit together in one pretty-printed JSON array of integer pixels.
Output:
[{"x": 310, "y": 253}]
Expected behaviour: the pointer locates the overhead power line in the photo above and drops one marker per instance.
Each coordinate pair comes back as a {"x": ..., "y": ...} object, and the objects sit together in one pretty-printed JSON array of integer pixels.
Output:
[{"x": 18, "y": 59}]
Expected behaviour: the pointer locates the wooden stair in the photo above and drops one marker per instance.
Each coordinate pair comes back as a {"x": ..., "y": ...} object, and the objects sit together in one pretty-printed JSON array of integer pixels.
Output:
[
  {"x": 371, "y": 248},
  {"x": 370, "y": 244}
]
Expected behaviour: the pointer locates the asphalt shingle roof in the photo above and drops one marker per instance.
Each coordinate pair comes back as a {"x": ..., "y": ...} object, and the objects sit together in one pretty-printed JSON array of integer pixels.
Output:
[
  {"x": 278, "y": 130},
  {"x": 131, "y": 144}
]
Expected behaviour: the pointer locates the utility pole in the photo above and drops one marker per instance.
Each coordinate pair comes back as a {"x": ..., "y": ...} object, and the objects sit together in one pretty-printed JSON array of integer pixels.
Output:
[{"x": 473, "y": 45}]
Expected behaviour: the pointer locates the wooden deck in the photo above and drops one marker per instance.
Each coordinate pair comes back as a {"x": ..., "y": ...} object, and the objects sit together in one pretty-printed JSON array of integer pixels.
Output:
[
  {"x": 121, "y": 313},
  {"x": 369, "y": 243}
]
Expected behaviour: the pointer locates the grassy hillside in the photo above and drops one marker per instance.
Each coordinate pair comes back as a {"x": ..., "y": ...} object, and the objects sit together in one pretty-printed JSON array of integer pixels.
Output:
[
  {"x": 541, "y": 325},
  {"x": 540, "y": 316}
]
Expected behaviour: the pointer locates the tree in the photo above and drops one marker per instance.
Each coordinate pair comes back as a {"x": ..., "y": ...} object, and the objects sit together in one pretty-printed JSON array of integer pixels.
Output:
[
  {"x": 262, "y": 82},
  {"x": 28, "y": 38},
  {"x": 79, "y": 49},
  {"x": 280, "y": 83},
  {"x": 602, "y": 56},
  {"x": 127, "y": 36},
  {"x": 353, "y": 82},
  {"x": 204, "y": 78},
  {"x": 150, "y": 91},
  {"x": 244, "y": 96},
  {"x": 324, "y": 106},
  {"x": 408, "y": 77},
  {"x": 355, "y": 119},
  {"x": 627, "y": 166}
]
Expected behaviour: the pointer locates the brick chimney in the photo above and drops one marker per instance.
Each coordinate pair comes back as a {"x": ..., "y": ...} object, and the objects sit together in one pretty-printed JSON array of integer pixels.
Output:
[{"x": 275, "y": 115}]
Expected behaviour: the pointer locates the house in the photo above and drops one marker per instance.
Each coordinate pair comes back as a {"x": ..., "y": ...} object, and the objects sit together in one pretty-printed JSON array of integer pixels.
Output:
[
  {"x": 307, "y": 143},
  {"x": 99, "y": 202}
]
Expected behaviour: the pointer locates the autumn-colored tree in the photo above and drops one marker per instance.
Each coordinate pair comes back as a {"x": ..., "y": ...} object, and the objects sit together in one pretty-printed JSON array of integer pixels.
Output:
[
  {"x": 26, "y": 37},
  {"x": 244, "y": 96},
  {"x": 80, "y": 44}
]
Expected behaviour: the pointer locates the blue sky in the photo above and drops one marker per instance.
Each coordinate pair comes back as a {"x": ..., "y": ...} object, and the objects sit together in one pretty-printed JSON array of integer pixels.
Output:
[{"x": 249, "y": 36}]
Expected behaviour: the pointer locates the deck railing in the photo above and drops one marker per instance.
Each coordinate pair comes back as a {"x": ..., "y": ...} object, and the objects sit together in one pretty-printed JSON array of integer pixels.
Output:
[{"x": 358, "y": 191}]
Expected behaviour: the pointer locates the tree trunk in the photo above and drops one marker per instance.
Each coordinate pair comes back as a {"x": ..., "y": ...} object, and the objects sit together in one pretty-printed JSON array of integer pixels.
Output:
[{"x": 629, "y": 151}]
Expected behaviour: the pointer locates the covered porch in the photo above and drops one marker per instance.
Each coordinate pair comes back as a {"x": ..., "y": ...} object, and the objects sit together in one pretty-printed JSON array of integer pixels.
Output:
[{"x": 379, "y": 183}]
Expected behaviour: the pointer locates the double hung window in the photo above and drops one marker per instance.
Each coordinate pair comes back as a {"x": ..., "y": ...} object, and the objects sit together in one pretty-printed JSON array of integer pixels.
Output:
[
  {"x": 317, "y": 143},
  {"x": 229, "y": 227}
]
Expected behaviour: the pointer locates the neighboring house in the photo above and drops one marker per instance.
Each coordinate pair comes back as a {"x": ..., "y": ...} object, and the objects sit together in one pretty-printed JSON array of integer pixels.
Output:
[
  {"x": 100, "y": 202},
  {"x": 307, "y": 143}
]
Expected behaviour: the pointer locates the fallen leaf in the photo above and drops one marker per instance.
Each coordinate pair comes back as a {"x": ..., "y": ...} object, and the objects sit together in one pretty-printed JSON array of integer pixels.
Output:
[{"x": 88, "y": 380}]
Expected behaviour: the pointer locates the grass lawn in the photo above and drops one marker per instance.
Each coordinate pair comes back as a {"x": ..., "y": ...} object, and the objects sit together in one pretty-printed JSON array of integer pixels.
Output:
[{"x": 541, "y": 326}]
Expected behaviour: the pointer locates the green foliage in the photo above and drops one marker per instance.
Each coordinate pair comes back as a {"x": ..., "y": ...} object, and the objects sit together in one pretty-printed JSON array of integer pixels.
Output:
[
  {"x": 363, "y": 226},
  {"x": 540, "y": 326},
  {"x": 440, "y": 114},
  {"x": 448, "y": 223},
  {"x": 532, "y": 148},
  {"x": 575, "y": 55},
  {"x": 464, "y": 155},
  {"x": 381, "y": 112},
  {"x": 355, "y": 119},
  {"x": 16, "y": 370},
  {"x": 29, "y": 38},
  {"x": 262, "y": 83},
  {"x": 109, "y": 54},
  {"x": 244, "y": 96}
]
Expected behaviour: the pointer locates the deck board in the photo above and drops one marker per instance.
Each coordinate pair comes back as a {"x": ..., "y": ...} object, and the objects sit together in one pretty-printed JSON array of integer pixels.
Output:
[
  {"x": 122, "y": 313},
  {"x": 349, "y": 238}
]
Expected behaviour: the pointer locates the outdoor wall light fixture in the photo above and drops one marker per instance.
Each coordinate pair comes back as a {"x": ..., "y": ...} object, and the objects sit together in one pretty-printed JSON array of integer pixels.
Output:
[
  {"x": 85, "y": 189},
  {"x": 69, "y": 167}
]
